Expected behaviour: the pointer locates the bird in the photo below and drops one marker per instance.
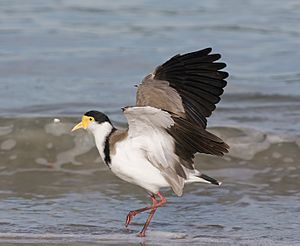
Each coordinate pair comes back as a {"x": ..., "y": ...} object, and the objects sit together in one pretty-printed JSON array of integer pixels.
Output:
[{"x": 166, "y": 128}]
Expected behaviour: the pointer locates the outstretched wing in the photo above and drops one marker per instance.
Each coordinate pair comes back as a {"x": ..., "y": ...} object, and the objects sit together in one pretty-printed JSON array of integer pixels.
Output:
[
  {"x": 172, "y": 105},
  {"x": 188, "y": 85}
]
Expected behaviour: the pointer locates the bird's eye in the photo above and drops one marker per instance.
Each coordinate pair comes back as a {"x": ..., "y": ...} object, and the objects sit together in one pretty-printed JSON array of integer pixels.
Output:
[{"x": 91, "y": 119}]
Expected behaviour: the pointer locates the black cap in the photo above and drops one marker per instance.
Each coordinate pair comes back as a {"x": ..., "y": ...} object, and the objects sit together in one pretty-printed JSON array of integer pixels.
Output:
[{"x": 98, "y": 116}]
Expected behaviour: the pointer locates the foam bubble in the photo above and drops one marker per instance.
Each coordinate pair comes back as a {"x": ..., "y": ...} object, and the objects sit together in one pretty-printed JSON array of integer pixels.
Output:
[
  {"x": 41, "y": 161},
  {"x": 8, "y": 144},
  {"x": 4, "y": 130}
]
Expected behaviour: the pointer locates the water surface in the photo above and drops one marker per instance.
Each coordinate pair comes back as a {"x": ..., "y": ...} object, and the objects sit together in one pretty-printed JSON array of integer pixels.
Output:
[{"x": 60, "y": 58}]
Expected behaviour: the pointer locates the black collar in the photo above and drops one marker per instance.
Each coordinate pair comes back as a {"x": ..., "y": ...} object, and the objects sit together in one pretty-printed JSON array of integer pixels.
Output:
[{"x": 107, "y": 159}]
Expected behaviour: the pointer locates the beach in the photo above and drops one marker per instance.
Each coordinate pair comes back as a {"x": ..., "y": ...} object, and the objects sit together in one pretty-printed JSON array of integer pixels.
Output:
[{"x": 59, "y": 59}]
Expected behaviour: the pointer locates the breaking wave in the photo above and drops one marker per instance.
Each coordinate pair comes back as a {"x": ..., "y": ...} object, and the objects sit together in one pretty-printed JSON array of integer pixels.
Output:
[{"x": 47, "y": 142}]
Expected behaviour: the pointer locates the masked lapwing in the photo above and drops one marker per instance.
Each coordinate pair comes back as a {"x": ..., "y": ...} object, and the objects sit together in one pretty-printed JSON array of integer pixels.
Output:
[{"x": 166, "y": 128}]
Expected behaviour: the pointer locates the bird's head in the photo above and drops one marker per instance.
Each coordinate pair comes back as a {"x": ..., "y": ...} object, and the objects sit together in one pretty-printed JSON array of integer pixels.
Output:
[{"x": 92, "y": 121}]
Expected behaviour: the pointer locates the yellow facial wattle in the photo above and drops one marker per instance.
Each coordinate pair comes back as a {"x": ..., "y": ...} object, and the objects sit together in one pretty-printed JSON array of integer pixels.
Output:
[{"x": 85, "y": 121}]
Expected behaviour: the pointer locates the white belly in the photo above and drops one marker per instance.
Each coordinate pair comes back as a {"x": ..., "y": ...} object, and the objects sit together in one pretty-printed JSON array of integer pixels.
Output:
[{"x": 129, "y": 163}]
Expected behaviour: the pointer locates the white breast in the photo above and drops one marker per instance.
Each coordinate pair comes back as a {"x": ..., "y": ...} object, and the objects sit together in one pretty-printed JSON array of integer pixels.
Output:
[{"x": 131, "y": 164}]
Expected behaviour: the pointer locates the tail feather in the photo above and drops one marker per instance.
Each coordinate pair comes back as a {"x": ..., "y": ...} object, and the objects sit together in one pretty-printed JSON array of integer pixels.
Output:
[{"x": 210, "y": 179}]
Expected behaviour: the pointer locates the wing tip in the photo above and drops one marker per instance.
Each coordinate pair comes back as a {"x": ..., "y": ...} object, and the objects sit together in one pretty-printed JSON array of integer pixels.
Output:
[{"x": 207, "y": 50}]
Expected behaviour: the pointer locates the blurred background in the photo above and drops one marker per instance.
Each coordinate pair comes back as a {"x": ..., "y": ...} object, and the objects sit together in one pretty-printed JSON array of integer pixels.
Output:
[{"x": 61, "y": 58}]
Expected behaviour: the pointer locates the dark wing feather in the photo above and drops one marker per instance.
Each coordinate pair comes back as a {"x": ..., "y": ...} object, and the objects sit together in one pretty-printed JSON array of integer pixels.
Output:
[
  {"x": 197, "y": 79},
  {"x": 188, "y": 87},
  {"x": 190, "y": 139}
]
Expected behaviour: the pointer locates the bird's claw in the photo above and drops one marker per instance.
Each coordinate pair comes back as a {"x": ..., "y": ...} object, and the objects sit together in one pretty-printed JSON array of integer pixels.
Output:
[
  {"x": 141, "y": 234},
  {"x": 129, "y": 217}
]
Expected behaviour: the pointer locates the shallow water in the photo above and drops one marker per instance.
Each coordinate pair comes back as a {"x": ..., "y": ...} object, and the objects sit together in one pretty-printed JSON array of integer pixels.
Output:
[
  {"x": 54, "y": 190},
  {"x": 60, "y": 58}
]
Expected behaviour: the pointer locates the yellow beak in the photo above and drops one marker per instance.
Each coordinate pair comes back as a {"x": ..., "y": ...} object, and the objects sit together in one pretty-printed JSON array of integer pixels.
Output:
[
  {"x": 83, "y": 124},
  {"x": 78, "y": 126}
]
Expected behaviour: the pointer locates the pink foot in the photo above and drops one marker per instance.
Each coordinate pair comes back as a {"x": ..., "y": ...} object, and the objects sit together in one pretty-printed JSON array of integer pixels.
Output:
[{"x": 129, "y": 217}]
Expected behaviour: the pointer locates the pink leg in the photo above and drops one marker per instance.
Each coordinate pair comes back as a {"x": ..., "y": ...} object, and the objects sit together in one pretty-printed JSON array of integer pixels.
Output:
[
  {"x": 163, "y": 200},
  {"x": 133, "y": 213}
]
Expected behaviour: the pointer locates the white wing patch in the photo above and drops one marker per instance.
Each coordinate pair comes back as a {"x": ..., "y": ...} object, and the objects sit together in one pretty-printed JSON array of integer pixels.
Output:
[
  {"x": 141, "y": 119},
  {"x": 147, "y": 130}
]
